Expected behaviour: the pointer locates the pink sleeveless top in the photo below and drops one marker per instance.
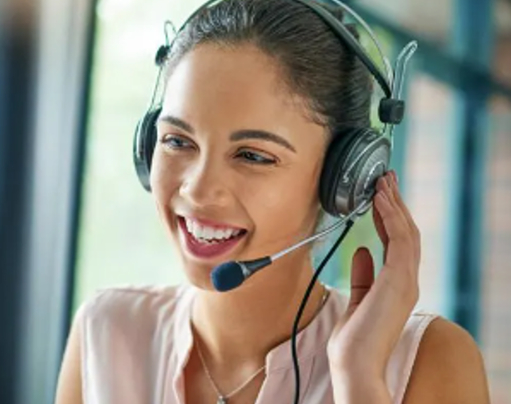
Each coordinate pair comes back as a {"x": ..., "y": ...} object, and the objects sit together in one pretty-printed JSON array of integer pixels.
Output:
[{"x": 136, "y": 342}]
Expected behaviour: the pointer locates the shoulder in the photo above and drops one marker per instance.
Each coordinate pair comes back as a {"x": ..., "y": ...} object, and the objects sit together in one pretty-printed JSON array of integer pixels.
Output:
[
  {"x": 134, "y": 317},
  {"x": 113, "y": 329},
  {"x": 448, "y": 368},
  {"x": 134, "y": 292},
  {"x": 116, "y": 304}
]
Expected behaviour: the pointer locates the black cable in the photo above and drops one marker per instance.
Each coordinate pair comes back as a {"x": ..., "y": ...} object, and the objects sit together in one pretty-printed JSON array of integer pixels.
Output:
[{"x": 296, "y": 366}]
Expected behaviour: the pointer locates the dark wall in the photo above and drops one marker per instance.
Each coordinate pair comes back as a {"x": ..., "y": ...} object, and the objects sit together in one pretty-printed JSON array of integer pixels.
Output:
[
  {"x": 17, "y": 53},
  {"x": 45, "y": 58}
]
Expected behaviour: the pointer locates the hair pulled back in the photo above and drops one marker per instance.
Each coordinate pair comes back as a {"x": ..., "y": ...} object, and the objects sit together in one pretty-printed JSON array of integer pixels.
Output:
[{"x": 316, "y": 65}]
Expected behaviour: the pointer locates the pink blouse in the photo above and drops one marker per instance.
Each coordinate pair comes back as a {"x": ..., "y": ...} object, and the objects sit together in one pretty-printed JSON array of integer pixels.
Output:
[{"x": 136, "y": 342}]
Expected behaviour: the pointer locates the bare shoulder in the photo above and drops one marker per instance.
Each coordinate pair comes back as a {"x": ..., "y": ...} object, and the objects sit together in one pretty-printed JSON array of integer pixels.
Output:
[{"x": 448, "y": 369}]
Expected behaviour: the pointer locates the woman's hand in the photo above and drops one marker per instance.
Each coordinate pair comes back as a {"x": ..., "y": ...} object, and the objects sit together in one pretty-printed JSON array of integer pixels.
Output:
[{"x": 363, "y": 339}]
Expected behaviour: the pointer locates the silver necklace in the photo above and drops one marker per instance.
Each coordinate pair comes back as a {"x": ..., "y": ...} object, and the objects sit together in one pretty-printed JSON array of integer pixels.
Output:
[{"x": 222, "y": 398}]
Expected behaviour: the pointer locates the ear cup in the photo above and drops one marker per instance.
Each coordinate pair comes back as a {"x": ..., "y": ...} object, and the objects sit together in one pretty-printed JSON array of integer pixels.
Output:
[
  {"x": 353, "y": 163},
  {"x": 143, "y": 146},
  {"x": 332, "y": 169}
]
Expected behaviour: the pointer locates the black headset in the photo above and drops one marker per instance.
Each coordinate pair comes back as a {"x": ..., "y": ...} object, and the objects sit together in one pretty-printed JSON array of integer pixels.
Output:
[{"x": 355, "y": 158}]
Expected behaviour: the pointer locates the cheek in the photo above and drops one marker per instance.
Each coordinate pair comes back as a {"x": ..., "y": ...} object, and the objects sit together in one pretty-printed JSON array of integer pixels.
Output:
[
  {"x": 289, "y": 198},
  {"x": 297, "y": 190},
  {"x": 164, "y": 178},
  {"x": 287, "y": 205}
]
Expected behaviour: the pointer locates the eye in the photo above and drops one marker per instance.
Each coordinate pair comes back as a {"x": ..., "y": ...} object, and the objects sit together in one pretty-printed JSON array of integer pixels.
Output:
[
  {"x": 252, "y": 157},
  {"x": 175, "y": 142}
]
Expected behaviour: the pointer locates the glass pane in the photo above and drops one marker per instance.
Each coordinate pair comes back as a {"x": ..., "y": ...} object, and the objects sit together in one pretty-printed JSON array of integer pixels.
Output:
[
  {"x": 502, "y": 50},
  {"x": 428, "y": 175},
  {"x": 431, "y": 19},
  {"x": 496, "y": 299}
]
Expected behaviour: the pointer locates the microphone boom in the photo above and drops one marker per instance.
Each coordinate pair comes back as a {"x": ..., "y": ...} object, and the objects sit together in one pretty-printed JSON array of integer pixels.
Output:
[{"x": 232, "y": 274}]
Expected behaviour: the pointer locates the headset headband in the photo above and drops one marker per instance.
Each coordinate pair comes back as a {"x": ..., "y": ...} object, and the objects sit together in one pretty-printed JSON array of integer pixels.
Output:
[
  {"x": 341, "y": 30},
  {"x": 391, "y": 108}
]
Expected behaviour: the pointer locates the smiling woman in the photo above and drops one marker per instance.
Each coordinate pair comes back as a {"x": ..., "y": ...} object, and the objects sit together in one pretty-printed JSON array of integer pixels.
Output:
[
  {"x": 221, "y": 171},
  {"x": 259, "y": 96}
]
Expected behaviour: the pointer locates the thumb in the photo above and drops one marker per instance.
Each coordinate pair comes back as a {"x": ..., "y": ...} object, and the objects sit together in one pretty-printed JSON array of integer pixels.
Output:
[{"x": 362, "y": 277}]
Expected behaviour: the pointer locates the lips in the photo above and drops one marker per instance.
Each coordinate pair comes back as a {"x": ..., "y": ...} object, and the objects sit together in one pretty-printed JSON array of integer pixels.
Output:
[{"x": 207, "y": 249}]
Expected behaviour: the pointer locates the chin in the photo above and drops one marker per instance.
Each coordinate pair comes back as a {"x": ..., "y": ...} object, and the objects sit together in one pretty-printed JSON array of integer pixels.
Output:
[{"x": 199, "y": 275}]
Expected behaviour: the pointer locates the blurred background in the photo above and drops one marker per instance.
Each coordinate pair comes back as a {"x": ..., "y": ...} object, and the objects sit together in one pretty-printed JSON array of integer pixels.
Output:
[{"x": 75, "y": 77}]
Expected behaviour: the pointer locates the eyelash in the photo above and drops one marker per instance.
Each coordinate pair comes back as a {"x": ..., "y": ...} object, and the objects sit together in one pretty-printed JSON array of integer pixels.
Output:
[
  {"x": 256, "y": 158},
  {"x": 165, "y": 141},
  {"x": 250, "y": 157}
]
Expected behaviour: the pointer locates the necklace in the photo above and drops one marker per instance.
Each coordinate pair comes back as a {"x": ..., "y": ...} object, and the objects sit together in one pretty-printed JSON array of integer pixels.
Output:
[{"x": 222, "y": 398}]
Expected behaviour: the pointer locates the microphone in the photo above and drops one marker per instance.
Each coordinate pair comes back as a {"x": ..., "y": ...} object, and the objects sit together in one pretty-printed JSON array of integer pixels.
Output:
[{"x": 232, "y": 274}]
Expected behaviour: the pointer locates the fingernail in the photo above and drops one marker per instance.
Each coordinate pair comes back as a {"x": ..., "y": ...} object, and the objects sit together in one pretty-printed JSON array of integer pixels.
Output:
[
  {"x": 394, "y": 176},
  {"x": 389, "y": 179}
]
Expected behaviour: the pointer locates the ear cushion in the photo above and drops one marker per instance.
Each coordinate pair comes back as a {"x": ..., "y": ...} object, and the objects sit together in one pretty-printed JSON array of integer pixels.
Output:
[
  {"x": 143, "y": 146},
  {"x": 353, "y": 162},
  {"x": 332, "y": 168}
]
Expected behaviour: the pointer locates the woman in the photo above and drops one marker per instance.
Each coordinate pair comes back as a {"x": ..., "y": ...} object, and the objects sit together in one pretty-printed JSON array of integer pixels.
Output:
[{"x": 255, "y": 91}]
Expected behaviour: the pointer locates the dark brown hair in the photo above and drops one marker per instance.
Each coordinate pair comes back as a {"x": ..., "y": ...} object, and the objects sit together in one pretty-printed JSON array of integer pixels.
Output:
[{"x": 317, "y": 66}]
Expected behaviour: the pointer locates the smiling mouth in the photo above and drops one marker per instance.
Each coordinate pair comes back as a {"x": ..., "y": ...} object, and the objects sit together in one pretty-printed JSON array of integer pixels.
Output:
[{"x": 208, "y": 242}]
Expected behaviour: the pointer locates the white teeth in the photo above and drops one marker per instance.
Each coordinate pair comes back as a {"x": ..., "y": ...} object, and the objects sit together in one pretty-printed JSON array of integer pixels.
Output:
[
  {"x": 209, "y": 234},
  {"x": 189, "y": 226}
]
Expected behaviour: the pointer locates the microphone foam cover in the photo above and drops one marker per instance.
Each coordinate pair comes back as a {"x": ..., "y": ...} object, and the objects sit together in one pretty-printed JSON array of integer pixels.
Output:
[{"x": 227, "y": 276}]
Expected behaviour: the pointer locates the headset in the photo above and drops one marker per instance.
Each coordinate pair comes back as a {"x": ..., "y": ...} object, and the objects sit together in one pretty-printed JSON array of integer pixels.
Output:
[{"x": 355, "y": 158}]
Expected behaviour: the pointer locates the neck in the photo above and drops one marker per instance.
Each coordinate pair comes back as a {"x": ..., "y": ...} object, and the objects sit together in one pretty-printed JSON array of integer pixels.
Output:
[{"x": 240, "y": 327}]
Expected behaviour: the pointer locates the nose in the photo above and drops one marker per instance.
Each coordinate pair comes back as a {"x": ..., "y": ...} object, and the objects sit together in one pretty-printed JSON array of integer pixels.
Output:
[{"x": 204, "y": 184}]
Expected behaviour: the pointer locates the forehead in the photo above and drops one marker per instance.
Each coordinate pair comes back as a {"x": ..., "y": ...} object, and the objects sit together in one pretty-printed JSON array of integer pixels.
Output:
[{"x": 233, "y": 87}]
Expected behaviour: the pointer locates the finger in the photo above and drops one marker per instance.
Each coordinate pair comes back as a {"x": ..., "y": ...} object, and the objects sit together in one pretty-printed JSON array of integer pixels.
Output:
[
  {"x": 380, "y": 230},
  {"x": 362, "y": 276},
  {"x": 388, "y": 208},
  {"x": 414, "y": 230},
  {"x": 400, "y": 248},
  {"x": 377, "y": 219},
  {"x": 378, "y": 222}
]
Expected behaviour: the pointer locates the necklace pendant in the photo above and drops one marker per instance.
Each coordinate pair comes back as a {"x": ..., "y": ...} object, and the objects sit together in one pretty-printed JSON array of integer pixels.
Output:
[{"x": 221, "y": 400}]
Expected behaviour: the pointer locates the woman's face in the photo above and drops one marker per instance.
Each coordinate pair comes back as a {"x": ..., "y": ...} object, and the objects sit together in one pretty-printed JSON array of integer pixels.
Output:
[{"x": 236, "y": 165}]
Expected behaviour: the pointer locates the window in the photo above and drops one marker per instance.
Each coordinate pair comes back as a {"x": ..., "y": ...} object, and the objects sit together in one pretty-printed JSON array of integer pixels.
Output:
[
  {"x": 429, "y": 177},
  {"x": 496, "y": 300},
  {"x": 428, "y": 19},
  {"x": 502, "y": 54}
]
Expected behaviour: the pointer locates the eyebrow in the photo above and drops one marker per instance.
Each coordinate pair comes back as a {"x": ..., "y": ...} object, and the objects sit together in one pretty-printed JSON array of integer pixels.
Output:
[
  {"x": 178, "y": 123},
  {"x": 235, "y": 136}
]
